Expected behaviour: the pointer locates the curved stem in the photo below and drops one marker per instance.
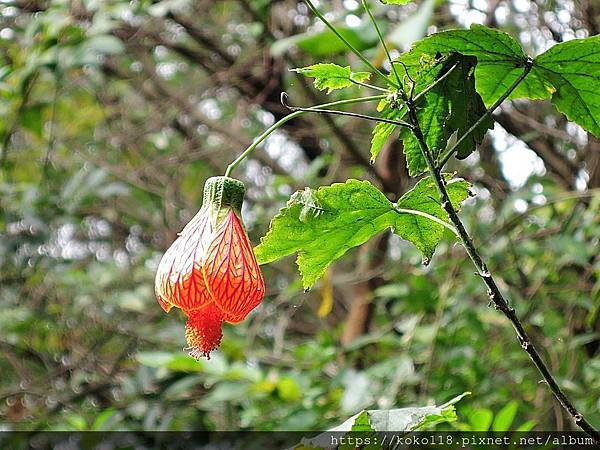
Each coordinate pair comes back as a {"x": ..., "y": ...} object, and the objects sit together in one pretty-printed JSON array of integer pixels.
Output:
[
  {"x": 367, "y": 85},
  {"x": 346, "y": 113},
  {"x": 381, "y": 39},
  {"x": 289, "y": 117},
  {"x": 428, "y": 216},
  {"x": 349, "y": 45}
]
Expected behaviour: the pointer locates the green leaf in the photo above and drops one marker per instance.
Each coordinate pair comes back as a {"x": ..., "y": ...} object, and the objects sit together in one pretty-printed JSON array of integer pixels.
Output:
[
  {"x": 361, "y": 431},
  {"x": 395, "y": 2},
  {"x": 573, "y": 68},
  {"x": 331, "y": 76},
  {"x": 402, "y": 420},
  {"x": 505, "y": 417},
  {"x": 445, "y": 416},
  {"x": 568, "y": 72},
  {"x": 321, "y": 225},
  {"x": 424, "y": 233},
  {"x": 452, "y": 106},
  {"x": 362, "y": 423},
  {"x": 500, "y": 61},
  {"x": 445, "y": 413},
  {"x": 481, "y": 419},
  {"x": 383, "y": 130}
]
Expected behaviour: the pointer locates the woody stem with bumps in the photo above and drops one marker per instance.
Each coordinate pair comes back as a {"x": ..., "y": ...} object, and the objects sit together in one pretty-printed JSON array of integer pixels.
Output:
[{"x": 494, "y": 293}]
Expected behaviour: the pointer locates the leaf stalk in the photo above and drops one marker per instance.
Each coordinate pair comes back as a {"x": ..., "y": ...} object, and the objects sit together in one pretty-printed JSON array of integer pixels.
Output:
[{"x": 343, "y": 113}]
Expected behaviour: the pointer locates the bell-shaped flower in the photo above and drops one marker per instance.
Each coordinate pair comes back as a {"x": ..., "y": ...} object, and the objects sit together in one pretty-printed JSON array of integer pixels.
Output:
[{"x": 210, "y": 271}]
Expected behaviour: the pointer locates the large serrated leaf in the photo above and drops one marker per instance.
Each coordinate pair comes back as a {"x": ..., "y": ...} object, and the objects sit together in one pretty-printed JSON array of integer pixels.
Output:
[
  {"x": 573, "y": 68},
  {"x": 568, "y": 73},
  {"x": 452, "y": 106},
  {"x": 322, "y": 225},
  {"x": 500, "y": 61}
]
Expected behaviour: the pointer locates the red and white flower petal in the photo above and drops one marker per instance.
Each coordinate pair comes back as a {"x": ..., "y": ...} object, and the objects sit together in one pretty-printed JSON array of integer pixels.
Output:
[
  {"x": 179, "y": 279},
  {"x": 231, "y": 271}
]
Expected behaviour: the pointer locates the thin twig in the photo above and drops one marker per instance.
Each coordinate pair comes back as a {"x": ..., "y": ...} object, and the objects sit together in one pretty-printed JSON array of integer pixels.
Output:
[
  {"x": 284, "y": 102},
  {"x": 349, "y": 45},
  {"x": 412, "y": 81},
  {"x": 381, "y": 39}
]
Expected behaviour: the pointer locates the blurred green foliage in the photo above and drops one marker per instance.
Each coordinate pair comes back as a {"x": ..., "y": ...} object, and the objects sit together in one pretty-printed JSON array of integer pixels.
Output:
[{"x": 108, "y": 133}]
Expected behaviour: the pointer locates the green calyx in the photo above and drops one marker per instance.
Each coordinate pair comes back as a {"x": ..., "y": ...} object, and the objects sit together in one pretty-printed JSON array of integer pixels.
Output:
[{"x": 223, "y": 193}]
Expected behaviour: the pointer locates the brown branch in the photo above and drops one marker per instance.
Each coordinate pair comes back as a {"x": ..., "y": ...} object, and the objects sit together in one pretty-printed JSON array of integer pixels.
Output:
[{"x": 494, "y": 293}]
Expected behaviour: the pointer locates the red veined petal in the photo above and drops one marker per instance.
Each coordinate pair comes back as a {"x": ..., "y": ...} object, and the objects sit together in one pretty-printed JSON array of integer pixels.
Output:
[
  {"x": 163, "y": 304},
  {"x": 179, "y": 279},
  {"x": 203, "y": 331},
  {"x": 231, "y": 271}
]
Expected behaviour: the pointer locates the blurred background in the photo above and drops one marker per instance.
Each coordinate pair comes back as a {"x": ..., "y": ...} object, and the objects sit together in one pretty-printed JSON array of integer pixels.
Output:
[{"x": 113, "y": 115}]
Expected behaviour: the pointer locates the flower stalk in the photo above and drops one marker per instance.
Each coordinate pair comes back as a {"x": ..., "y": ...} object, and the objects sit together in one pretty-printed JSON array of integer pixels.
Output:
[{"x": 291, "y": 116}]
